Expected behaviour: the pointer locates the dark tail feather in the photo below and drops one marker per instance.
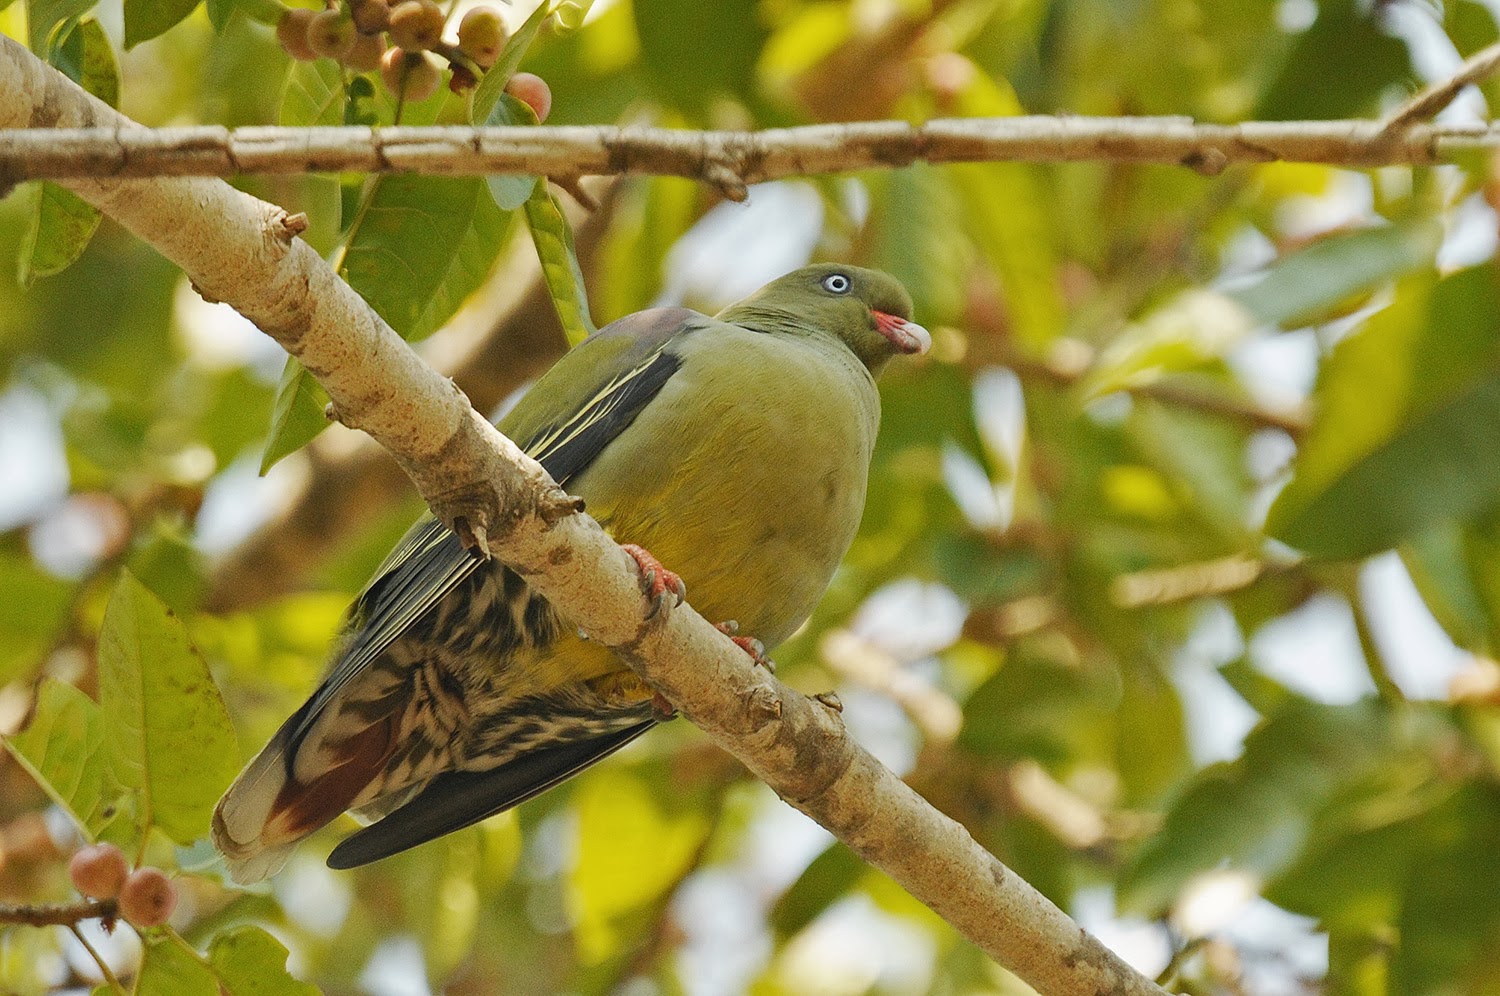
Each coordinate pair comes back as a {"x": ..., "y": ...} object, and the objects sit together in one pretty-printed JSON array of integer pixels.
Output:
[{"x": 458, "y": 799}]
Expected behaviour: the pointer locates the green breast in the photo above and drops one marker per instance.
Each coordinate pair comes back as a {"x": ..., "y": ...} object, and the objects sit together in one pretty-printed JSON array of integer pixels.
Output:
[{"x": 746, "y": 474}]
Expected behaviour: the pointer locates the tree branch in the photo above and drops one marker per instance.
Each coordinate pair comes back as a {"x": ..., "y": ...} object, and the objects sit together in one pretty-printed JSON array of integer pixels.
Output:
[
  {"x": 726, "y": 159},
  {"x": 244, "y": 251},
  {"x": 58, "y": 914}
]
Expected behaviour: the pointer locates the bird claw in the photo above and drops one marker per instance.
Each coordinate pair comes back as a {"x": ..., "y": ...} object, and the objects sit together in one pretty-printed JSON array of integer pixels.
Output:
[
  {"x": 661, "y": 709},
  {"x": 748, "y": 644},
  {"x": 663, "y": 588}
]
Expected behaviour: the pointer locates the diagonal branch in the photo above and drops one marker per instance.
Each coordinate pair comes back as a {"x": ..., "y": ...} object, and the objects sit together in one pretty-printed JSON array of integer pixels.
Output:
[
  {"x": 1426, "y": 105},
  {"x": 243, "y": 251}
]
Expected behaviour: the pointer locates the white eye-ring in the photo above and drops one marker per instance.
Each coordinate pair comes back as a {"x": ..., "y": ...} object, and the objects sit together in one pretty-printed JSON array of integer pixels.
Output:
[{"x": 836, "y": 283}]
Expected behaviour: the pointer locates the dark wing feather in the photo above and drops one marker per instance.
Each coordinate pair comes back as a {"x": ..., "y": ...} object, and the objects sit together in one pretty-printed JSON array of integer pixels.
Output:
[
  {"x": 430, "y": 562},
  {"x": 458, "y": 799}
]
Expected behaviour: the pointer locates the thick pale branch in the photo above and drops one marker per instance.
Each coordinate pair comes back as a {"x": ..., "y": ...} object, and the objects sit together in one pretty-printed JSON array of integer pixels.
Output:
[
  {"x": 244, "y": 252},
  {"x": 726, "y": 159}
]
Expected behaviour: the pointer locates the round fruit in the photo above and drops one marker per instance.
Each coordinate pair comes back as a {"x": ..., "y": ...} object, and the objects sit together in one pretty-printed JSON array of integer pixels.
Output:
[
  {"x": 147, "y": 898},
  {"x": 365, "y": 56},
  {"x": 410, "y": 75},
  {"x": 416, "y": 25},
  {"x": 533, "y": 91},
  {"x": 331, "y": 34},
  {"x": 371, "y": 17},
  {"x": 481, "y": 36},
  {"x": 291, "y": 31},
  {"x": 98, "y": 871}
]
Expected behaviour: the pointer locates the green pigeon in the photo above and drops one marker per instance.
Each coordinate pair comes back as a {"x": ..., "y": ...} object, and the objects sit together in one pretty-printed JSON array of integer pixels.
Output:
[{"x": 735, "y": 449}]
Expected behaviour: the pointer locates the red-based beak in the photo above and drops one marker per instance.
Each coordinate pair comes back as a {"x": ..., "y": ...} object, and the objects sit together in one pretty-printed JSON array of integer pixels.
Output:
[{"x": 906, "y": 336}]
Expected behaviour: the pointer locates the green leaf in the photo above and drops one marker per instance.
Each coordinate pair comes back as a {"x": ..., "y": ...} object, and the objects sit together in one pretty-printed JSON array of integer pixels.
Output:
[
  {"x": 61, "y": 749},
  {"x": 1345, "y": 43},
  {"x": 247, "y": 961},
  {"x": 1408, "y": 430},
  {"x": 697, "y": 52},
  {"x": 314, "y": 95},
  {"x": 168, "y": 735},
  {"x": 554, "y": 247},
  {"x": 831, "y": 874},
  {"x": 44, "y": 17},
  {"x": 510, "y": 190},
  {"x": 424, "y": 244},
  {"x": 1302, "y": 287},
  {"x": 34, "y": 608},
  {"x": 145, "y": 19},
  {"x": 487, "y": 94},
  {"x": 170, "y": 968},
  {"x": 631, "y": 850},
  {"x": 296, "y": 414},
  {"x": 63, "y": 224}
]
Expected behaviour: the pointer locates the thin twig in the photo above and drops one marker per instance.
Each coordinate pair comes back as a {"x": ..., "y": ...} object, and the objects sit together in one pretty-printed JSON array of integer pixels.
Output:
[
  {"x": 1426, "y": 105},
  {"x": 99, "y": 961},
  {"x": 58, "y": 914}
]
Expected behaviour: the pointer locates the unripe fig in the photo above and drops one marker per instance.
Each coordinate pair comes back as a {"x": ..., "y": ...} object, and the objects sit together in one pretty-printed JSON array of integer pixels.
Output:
[
  {"x": 481, "y": 36},
  {"x": 409, "y": 74},
  {"x": 98, "y": 871},
  {"x": 533, "y": 91},
  {"x": 416, "y": 25},
  {"x": 365, "y": 56},
  {"x": 331, "y": 34},
  {"x": 291, "y": 31},
  {"x": 147, "y": 898},
  {"x": 371, "y": 17}
]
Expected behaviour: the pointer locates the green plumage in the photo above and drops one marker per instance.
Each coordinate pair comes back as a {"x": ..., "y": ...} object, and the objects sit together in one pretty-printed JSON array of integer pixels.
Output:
[{"x": 735, "y": 449}]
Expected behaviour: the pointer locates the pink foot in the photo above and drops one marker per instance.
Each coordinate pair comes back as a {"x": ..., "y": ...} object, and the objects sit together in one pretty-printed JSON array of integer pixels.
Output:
[
  {"x": 657, "y": 583},
  {"x": 748, "y": 644}
]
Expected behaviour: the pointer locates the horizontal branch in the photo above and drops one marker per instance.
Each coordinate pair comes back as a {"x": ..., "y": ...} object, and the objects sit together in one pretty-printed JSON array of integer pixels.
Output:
[
  {"x": 58, "y": 914},
  {"x": 245, "y": 252},
  {"x": 727, "y": 159}
]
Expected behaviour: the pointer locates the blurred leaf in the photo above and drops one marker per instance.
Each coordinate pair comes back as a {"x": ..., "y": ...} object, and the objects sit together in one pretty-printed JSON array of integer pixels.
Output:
[
  {"x": 145, "y": 19},
  {"x": 915, "y": 213},
  {"x": 32, "y": 612},
  {"x": 1345, "y": 43},
  {"x": 60, "y": 748},
  {"x": 1192, "y": 331},
  {"x": 170, "y": 968},
  {"x": 1257, "y": 814},
  {"x": 1152, "y": 742},
  {"x": 554, "y": 247},
  {"x": 631, "y": 849},
  {"x": 1452, "y": 582},
  {"x": 296, "y": 413},
  {"x": 487, "y": 94},
  {"x": 1408, "y": 428},
  {"x": 696, "y": 52},
  {"x": 831, "y": 874},
  {"x": 168, "y": 735},
  {"x": 1300, "y": 288},
  {"x": 43, "y": 17},
  {"x": 651, "y": 214},
  {"x": 510, "y": 190},
  {"x": 1037, "y": 707}
]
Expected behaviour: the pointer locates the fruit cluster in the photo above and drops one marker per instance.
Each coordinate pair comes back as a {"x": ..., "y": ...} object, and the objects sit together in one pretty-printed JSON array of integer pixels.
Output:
[
  {"x": 398, "y": 40},
  {"x": 145, "y": 897}
]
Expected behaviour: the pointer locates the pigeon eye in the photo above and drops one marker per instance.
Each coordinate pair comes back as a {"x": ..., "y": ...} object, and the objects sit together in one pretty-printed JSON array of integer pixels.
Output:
[{"x": 836, "y": 283}]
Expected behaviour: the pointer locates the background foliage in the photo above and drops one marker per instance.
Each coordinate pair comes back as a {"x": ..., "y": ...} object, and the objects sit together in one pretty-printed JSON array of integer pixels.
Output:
[{"x": 1178, "y": 584}]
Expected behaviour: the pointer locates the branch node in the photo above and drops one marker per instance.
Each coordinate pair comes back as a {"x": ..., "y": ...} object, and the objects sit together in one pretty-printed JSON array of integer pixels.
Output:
[
  {"x": 763, "y": 706},
  {"x": 473, "y": 536},
  {"x": 829, "y": 700},
  {"x": 289, "y": 226},
  {"x": 575, "y": 190},
  {"x": 332, "y": 413},
  {"x": 556, "y": 505},
  {"x": 729, "y": 182},
  {"x": 1209, "y": 161}
]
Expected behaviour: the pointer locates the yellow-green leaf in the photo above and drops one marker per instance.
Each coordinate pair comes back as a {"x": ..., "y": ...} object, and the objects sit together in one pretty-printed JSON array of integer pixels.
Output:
[
  {"x": 167, "y": 733},
  {"x": 61, "y": 750},
  {"x": 554, "y": 247}
]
